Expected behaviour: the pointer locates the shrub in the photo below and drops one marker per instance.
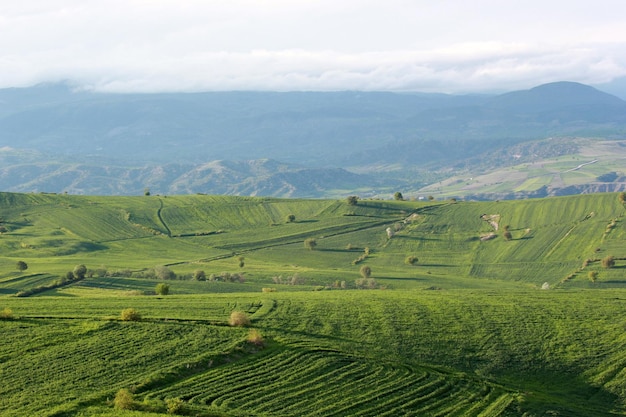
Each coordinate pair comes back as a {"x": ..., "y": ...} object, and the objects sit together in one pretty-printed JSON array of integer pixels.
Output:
[
  {"x": 241, "y": 260},
  {"x": 174, "y": 405},
  {"x": 507, "y": 235},
  {"x": 162, "y": 289},
  {"x": 238, "y": 319},
  {"x": 163, "y": 272},
  {"x": 608, "y": 262},
  {"x": 199, "y": 275},
  {"x": 291, "y": 218},
  {"x": 411, "y": 260},
  {"x": 352, "y": 200},
  {"x": 369, "y": 283},
  {"x": 593, "y": 276},
  {"x": 130, "y": 314},
  {"x": 310, "y": 243},
  {"x": 622, "y": 197},
  {"x": 6, "y": 314},
  {"x": 365, "y": 271},
  {"x": 123, "y": 400},
  {"x": 398, "y": 196},
  {"x": 255, "y": 338},
  {"x": 79, "y": 271},
  {"x": 267, "y": 289}
]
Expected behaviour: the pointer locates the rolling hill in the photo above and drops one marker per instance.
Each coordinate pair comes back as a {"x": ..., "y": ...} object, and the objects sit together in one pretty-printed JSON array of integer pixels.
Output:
[
  {"x": 55, "y": 139},
  {"x": 471, "y": 309}
]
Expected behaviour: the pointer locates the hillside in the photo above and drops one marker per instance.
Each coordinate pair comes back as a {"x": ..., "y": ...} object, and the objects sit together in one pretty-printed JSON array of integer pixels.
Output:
[
  {"x": 55, "y": 139},
  {"x": 478, "y": 323}
]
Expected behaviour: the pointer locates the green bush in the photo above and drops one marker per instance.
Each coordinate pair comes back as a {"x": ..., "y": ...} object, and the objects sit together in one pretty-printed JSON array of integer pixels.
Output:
[
  {"x": 411, "y": 260},
  {"x": 6, "y": 314},
  {"x": 124, "y": 400},
  {"x": 162, "y": 289},
  {"x": 174, "y": 405},
  {"x": 238, "y": 319},
  {"x": 130, "y": 314}
]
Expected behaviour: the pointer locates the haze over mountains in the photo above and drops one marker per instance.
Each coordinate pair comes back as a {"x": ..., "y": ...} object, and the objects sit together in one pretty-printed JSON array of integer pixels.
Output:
[{"x": 298, "y": 144}]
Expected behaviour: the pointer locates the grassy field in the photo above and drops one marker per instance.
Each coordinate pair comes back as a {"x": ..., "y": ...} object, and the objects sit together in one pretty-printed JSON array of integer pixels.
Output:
[{"x": 482, "y": 324}]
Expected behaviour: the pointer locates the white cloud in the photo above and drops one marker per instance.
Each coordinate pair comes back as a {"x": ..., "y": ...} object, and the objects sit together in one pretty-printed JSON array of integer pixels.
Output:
[{"x": 400, "y": 45}]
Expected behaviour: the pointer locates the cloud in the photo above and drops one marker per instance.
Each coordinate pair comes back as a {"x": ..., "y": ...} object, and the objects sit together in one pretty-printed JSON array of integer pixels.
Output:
[{"x": 396, "y": 45}]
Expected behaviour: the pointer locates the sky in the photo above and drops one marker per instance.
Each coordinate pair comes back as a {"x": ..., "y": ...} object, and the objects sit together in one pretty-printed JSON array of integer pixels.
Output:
[{"x": 449, "y": 46}]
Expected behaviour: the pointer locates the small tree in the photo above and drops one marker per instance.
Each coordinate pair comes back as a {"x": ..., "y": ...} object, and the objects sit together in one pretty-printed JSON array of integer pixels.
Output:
[
  {"x": 310, "y": 243},
  {"x": 411, "y": 260},
  {"x": 622, "y": 197},
  {"x": 174, "y": 405},
  {"x": 238, "y": 319},
  {"x": 255, "y": 338},
  {"x": 507, "y": 235},
  {"x": 79, "y": 271},
  {"x": 146, "y": 191},
  {"x": 365, "y": 271},
  {"x": 199, "y": 275},
  {"x": 163, "y": 272},
  {"x": 608, "y": 262},
  {"x": 352, "y": 200},
  {"x": 291, "y": 218},
  {"x": 21, "y": 266},
  {"x": 593, "y": 276},
  {"x": 431, "y": 198},
  {"x": 241, "y": 260},
  {"x": 123, "y": 400},
  {"x": 162, "y": 289},
  {"x": 398, "y": 196},
  {"x": 130, "y": 314}
]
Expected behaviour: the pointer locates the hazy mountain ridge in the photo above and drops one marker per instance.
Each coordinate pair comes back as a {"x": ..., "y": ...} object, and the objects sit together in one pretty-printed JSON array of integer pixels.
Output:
[{"x": 121, "y": 143}]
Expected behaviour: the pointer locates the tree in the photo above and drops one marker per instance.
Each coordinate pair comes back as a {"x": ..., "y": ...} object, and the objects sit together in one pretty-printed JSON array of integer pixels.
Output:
[
  {"x": 431, "y": 198},
  {"x": 162, "y": 289},
  {"x": 310, "y": 243},
  {"x": 352, "y": 200},
  {"x": 241, "y": 260},
  {"x": 123, "y": 400},
  {"x": 398, "y": 196},
  {"x": 622, "y": 197},
  {"x": 163, "y": 272},
  {"x": 146, "y": 191},
  {"x": 291, "y": 218},
  {"x": 608, "y": 262},
  {"x": 411, "y": 260},
  {"x": 365, "y": 271},
  {"x": 507, "y": 235},
  {"x": 199, "y": 275},
  {"x": 593, "y": 276},
  {"x": 21, "y": 266},
  {"x": 79, "y": 271}
]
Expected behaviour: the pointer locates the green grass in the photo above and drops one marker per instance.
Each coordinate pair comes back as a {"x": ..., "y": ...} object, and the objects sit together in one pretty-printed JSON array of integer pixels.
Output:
[{"x": 467, "y": 330}]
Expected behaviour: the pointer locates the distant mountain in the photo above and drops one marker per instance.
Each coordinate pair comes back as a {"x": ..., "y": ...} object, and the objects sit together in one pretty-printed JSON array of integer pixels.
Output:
[{"x": 119, "y": 143}]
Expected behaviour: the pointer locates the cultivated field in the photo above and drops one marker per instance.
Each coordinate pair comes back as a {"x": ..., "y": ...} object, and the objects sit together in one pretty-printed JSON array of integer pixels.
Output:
[{"x": 470, "y": 309}]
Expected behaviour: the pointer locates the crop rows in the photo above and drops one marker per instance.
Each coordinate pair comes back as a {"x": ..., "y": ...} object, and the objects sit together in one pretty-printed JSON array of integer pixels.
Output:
[
  {"x": 306, "y": 382},
  {"x": 91, "y": 359}
]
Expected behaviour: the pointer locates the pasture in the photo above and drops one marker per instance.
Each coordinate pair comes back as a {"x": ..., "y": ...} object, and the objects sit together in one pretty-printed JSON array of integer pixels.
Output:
[{"x": 498, "y": 326}]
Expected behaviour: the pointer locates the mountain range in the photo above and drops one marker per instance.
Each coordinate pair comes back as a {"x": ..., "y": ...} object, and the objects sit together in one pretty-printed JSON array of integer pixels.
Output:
[{"x": 54, "y": 138}]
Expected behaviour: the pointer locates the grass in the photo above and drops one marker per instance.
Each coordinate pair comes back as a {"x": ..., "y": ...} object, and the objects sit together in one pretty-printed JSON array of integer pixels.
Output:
[{"x": 467, "y": 330}]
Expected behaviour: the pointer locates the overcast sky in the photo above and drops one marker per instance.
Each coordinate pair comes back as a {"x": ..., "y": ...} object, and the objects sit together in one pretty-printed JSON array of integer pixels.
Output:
[{"x": 453, "y": 46}]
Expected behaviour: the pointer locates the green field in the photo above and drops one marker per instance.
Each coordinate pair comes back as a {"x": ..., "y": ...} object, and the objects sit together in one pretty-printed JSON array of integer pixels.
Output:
[{"x": 483, "y": 323}]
